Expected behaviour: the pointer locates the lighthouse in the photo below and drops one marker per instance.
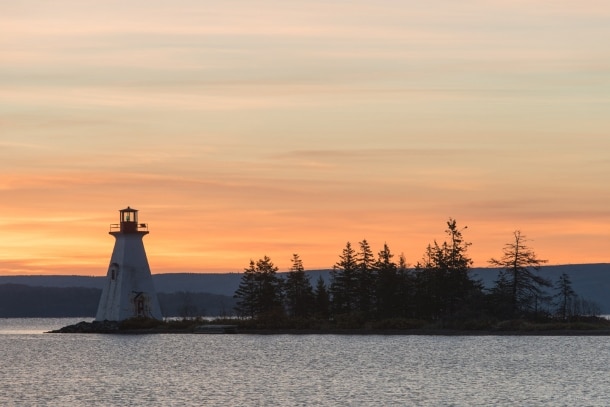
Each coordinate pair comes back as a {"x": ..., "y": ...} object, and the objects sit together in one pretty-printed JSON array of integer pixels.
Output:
[{"x": 129, "y": 291}]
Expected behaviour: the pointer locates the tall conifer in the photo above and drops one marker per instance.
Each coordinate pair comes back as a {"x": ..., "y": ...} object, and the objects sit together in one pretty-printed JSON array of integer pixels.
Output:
[{"x": 298, "y": 290}]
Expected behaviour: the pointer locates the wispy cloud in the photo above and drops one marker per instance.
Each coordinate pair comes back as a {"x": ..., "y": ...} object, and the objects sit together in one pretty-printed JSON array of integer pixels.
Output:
[{"x": 248, "y": 128}]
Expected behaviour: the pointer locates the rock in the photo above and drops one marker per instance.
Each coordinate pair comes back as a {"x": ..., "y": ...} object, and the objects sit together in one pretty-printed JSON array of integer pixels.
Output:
[{"x": 89, "y": 327}]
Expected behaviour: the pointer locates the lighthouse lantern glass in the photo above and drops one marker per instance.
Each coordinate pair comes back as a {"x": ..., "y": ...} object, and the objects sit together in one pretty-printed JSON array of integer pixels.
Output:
[{"x": 129, "y": 215}]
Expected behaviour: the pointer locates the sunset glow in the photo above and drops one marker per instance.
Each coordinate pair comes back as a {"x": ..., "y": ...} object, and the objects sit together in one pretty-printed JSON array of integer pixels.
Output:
[{"x": 243, "y": 129}]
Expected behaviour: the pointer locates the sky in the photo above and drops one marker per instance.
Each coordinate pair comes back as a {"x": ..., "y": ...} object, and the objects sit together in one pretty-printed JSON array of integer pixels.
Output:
[{"x": 241, "y": 129}]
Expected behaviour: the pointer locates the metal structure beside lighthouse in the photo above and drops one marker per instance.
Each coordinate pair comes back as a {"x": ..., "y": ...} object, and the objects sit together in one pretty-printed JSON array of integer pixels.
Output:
[{"x": 129, "y": 291}]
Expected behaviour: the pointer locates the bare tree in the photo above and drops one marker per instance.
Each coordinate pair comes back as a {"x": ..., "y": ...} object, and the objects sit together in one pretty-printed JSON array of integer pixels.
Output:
[{"x": 518, "y": 280}]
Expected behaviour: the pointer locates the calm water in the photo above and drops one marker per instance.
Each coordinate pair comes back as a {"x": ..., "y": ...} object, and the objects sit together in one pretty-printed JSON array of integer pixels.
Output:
[{"x": 284, "y": 370}]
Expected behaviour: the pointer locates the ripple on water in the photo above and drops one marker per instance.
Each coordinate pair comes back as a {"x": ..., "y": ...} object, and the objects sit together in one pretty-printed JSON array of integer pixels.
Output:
[{"x": 324, "y": 370}]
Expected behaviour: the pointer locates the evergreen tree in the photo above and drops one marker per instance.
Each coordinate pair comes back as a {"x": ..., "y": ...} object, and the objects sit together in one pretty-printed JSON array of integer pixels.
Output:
[
  {"x": 427, "y": 301},
  {"x": 520, "y": 284},
  {"x": 298, "y": 290},
  {"x": 402, "y": 263},
  {"x": 272, "y": 294},
  {"x": 247, "y": 294},
  {"x": 365, "y": 279},
  {"x": 444, "y": 287},
  {"x": 260, "y": 290},
  {"x": 459, "y": 288},
  {"x": 344, "y": 282},
  {"x": 388, "y": 295},
  {"x": 406, "y": 288}
]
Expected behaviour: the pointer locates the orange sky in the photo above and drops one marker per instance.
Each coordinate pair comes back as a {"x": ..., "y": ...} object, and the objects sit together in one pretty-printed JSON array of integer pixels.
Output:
[{"x": 245, "y": 129}]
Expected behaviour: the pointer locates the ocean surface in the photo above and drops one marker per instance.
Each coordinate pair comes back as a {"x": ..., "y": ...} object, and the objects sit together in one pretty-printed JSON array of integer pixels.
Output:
[{"x": 38, "y": 369}]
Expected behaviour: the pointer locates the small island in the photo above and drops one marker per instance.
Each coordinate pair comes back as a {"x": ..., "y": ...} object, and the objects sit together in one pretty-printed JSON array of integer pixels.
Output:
[
  {"x": 580, "y": 326},
  {"x": 367, "y": 294}
]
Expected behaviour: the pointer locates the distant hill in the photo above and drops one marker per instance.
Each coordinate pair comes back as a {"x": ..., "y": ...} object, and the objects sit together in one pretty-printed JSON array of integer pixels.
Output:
[
  {"x": 55, "y": 281},
  {"x": 224, "y": 284},
  {"x": 24, "y": 301},
  {"x": 590, "y": 281},
  {"x": 213, "y": 283}
]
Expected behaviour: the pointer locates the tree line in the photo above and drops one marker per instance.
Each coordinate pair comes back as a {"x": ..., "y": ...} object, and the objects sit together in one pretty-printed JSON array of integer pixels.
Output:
[{"x": 365, "y": 287}]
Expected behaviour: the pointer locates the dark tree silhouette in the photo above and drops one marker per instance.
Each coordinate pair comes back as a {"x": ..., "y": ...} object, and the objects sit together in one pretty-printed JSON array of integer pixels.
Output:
[
  {"x": 344, "y": 282},
  {"x": 500, "y": 299},
  {"x": 298, "y": 290},
  {"x": 374, "y": 292},
  {"x": 365, "y": 279},
  {"x": 444, "y": 287},
  {"x": 565, "y": 295},
  {"x": 247, "y": 294},
  {"x": 459, "y": 287},
  {"x": 406, "y": 288},
  {"x": 389, "y": 284},
  {"x": 260, "y": 290},
  {"x": 322, "y": 299},
  {"x": 518, "y": 281},
  {"x": 426, "y": 298}
]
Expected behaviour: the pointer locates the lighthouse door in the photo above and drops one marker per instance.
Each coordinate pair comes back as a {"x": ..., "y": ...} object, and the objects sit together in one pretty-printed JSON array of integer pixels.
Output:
[{"x": 139, "y": 304}]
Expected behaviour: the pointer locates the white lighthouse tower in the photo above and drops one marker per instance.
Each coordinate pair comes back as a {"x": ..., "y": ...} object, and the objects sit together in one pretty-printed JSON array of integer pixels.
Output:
[{"x": 129, "y": 290}]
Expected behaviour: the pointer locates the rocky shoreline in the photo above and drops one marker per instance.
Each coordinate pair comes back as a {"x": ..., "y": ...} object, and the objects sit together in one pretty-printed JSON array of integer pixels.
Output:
[
  {"x": 89, "y": 327},
  {"x": 115, "y": 327}
]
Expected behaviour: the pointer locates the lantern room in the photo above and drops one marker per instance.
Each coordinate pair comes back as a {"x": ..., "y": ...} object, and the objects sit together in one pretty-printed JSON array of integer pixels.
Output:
[
  {"x": 129, "y": 222},
  {"x": 129, "y": 215}
]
